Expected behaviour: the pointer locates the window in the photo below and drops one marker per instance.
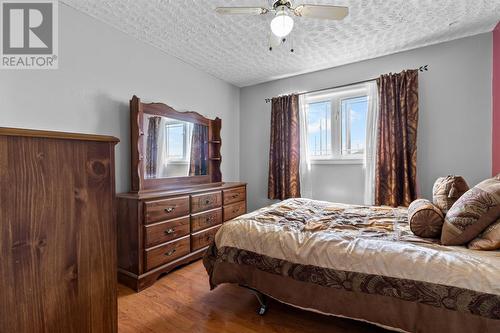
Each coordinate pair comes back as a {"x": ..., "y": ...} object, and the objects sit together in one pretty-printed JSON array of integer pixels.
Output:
[
  {"x": 177, "y": 141},
  {"x": 336, "y": 124}
]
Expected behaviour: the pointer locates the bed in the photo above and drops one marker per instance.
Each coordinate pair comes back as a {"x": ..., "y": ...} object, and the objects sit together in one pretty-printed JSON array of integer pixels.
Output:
[{"x": 358, "y": 262}]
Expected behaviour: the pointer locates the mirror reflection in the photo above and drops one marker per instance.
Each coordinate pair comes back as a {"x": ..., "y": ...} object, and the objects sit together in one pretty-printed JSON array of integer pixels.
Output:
[{"x": 174, "y": 148}]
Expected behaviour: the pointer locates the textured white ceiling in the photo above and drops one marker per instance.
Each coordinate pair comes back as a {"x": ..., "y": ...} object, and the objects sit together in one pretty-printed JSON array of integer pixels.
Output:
[{"x": 235, "y": 48}]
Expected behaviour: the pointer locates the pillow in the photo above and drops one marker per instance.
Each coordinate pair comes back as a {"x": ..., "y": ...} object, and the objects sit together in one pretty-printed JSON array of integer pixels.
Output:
[
  {"x": 426, "y": 220},
  {"x": 489, "y": 238},
  {"x": 472, "y": 213},
  {"x": 447, "y": 190}
]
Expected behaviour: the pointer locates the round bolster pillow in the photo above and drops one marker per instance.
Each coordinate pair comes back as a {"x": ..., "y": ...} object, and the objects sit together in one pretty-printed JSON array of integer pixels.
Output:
[{"x": 426, "y": 220}]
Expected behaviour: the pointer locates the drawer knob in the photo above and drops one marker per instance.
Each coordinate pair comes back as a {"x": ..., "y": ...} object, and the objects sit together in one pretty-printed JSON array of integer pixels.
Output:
[
  {"x": 169, "y": 253},
  {"x": 235, "y": 196},
  {"x": 210, "y": 218},
  {"x": 235, "y": 210},
  {"x": 169, "y": 231},
  {"x": 207, "y": 202},
  {"x": 169, "y": 209}
]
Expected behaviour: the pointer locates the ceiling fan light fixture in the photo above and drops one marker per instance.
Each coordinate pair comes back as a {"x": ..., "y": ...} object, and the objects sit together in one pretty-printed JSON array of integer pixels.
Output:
[{"x": 282, "y": 23}]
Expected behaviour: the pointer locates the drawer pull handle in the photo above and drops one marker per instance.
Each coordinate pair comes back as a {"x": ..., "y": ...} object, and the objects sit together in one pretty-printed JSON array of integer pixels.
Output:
[
  {"x": 209, "y": 238},
  {"x": 235, "y": 196},
  {"x": 169, "y": 209},
  {"x": 207, "y": 202},
  {"x": 169, "y": 253},
  {"x": 169, "y": 231},
  {"x": 236, "y": 210},
  {"x": 208, "y": 219}
]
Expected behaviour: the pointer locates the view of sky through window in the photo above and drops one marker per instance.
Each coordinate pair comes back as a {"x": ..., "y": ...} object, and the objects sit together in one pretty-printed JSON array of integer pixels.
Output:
[
  {"x": 354, "y": 112},
  {"x": 175, "y": 141},
  {"x": 336, "y": 126},
  {"x": 319, "y": 129}
]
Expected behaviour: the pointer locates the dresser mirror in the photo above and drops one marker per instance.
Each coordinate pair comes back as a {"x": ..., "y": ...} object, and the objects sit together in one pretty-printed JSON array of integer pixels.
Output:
[{"x": 172, "y": 149}]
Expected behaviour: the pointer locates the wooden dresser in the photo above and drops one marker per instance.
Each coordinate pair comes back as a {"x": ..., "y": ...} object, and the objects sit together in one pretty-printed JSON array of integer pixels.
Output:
[
  {"x": 177, "y": 200},
  {"x": 57, "y": 232},
  {"x": 158, "y": 231}
]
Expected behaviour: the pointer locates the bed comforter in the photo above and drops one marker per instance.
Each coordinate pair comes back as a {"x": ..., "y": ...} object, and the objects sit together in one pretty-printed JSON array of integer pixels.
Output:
[{"x": 355, "y": 261}]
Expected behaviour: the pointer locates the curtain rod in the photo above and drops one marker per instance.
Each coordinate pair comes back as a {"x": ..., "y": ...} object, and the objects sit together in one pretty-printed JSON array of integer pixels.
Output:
[{"x": 423, "y": 68}]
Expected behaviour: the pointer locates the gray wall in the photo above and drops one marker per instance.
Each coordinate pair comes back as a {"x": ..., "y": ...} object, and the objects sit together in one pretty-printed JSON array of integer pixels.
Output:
[
  {"x": 100, "y": 69},
  {"x": 455, "y": 118}
]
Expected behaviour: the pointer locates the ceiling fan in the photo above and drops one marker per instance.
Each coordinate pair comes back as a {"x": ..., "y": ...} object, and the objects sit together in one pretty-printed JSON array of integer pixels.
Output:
[{"x": 282, "y": 23}]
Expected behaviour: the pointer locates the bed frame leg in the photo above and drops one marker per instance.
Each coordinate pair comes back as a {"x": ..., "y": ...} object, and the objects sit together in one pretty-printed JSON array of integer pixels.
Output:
[
  {"x": 263, "y": 303},
  {"x": 262, "y": 300}
]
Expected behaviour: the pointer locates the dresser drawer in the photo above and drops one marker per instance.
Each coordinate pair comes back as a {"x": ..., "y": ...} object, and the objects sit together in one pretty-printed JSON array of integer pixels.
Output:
[
  {"x": 234, "y": 210},
  {"x": 165, "y": 209},
  {"x": 205, "y": 201},
  {"x": 203, "y": 238},
  {"x": 166, "y": 231},
  {"x": 234, "y": 195},
  {"x": 165, "y": 253},
  {"x": 205, "y": 220}
]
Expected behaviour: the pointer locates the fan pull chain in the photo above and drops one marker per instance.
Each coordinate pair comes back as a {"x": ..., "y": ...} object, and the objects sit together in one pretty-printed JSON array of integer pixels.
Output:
[{"x": 282, "y": 42}]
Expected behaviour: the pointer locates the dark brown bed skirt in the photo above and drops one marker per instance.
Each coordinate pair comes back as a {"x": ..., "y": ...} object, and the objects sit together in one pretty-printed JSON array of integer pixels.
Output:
[{"x": 385, "y": 310}]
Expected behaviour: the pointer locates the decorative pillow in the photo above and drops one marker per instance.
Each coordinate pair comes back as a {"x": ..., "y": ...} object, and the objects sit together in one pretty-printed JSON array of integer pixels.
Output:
[
  {"x": 447, "y": 190},
  {"x": 489, "y": 238},
  {"x": 472, "y": 213},
  {"x": 426, "y": 220}
]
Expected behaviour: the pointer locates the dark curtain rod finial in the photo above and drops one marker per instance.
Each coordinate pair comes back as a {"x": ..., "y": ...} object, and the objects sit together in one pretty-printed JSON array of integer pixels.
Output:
[{"x": 424, "y": 68}]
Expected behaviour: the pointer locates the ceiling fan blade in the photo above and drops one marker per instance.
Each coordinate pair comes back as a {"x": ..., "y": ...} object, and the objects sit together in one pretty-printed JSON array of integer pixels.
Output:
[
  {"x": 322, "y": 11},
  {"x": 241, "y": 10}
]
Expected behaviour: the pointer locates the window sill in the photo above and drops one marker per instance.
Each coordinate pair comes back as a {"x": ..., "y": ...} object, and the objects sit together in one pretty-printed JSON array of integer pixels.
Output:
[
  {"x": 177, "y": 162},
  {"x": 339, "y": 161}
]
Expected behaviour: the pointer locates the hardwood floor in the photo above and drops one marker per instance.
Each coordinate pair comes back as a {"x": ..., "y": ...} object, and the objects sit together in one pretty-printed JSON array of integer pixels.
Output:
[{"x": 182, "y": 302}]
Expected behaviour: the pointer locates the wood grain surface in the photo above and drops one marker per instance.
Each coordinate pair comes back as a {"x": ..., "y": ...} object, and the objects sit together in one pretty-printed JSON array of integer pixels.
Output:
[
  {"x": 182, "y": 302},
  {"x": 57, "y": 235}
]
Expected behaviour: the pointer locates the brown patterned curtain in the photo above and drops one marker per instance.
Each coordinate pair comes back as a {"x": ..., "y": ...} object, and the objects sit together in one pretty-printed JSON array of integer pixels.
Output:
[
  {"x": 152, "y": 146},
  {"x": 396, "y": 161},
  {"x": 198, "y": 158},
  {"x": 284, "y": 153}
]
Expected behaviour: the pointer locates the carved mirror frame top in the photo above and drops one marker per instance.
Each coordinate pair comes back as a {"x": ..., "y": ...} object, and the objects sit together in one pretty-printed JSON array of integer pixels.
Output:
[{"x": 137, "y": 136}]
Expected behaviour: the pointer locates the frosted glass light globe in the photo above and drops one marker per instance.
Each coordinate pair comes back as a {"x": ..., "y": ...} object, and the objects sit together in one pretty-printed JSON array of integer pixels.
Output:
[{"x": 281, "y": 24}]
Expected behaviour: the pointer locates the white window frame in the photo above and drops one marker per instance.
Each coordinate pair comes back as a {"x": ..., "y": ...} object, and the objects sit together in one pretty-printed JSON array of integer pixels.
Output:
[{"x": 335, "y": 97}]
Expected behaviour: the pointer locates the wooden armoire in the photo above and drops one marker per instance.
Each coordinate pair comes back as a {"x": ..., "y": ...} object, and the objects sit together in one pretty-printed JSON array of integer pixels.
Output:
[{"x": 57, "y": 232}]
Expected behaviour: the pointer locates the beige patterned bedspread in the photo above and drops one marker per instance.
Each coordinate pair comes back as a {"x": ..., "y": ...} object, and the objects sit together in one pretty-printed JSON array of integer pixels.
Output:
[{"x": 358, "y": 239}]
